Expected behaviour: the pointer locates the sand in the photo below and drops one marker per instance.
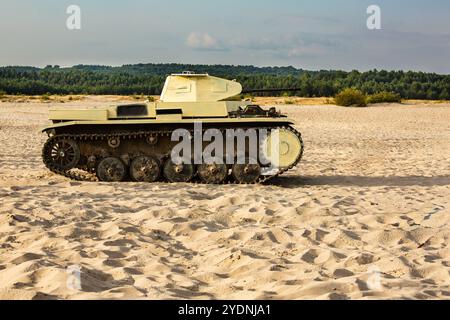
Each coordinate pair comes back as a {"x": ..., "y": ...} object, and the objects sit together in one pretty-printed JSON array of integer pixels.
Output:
[{"x": 366, "y": 215}]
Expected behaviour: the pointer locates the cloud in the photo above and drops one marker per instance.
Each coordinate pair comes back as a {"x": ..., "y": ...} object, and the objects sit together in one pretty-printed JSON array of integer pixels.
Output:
[
  {"x": 306, "y": 51},
  {"x": 203, "y": 41},
  {"x": 260, "y": 43},
  {"x": 288, "y": 46}
]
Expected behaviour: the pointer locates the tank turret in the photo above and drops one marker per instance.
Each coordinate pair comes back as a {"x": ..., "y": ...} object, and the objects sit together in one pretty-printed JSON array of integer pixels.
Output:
[{"x": 191, "y": 87}]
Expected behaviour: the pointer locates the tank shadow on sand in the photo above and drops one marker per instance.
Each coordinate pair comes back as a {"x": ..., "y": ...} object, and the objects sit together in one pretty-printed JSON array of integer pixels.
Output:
[{"x": 360, "y": 181}]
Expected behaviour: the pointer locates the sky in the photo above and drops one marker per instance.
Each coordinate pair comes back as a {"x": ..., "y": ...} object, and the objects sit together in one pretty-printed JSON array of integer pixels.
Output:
[{"x": 313, "y": 35}]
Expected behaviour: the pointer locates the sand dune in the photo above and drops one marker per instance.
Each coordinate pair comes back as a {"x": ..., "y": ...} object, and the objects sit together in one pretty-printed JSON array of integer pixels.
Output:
[{"x": 366, "y": 215}]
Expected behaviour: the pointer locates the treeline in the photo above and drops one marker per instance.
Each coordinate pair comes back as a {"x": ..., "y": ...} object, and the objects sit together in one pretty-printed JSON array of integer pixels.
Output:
[{"x": 148, "y": 79}]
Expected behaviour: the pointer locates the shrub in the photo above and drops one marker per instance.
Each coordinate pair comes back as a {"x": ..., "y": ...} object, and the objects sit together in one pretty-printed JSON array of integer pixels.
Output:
[
  {"x": 289, "y": 101},
  {"x": 350, "y": 97},
  {"x": 389, "y": 97},
  {"x": 45, "y": 97},
  {"x": 2, "y": 94},
  {"x": 151, "y": 99}
]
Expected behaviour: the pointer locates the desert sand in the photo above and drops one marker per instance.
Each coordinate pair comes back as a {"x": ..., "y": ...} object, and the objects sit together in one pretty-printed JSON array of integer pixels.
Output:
[{"x": 366, "y": 215}]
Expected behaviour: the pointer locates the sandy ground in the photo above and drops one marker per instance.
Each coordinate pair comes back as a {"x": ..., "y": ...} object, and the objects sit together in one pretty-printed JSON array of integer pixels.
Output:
[{"x": 366, "y": 215}]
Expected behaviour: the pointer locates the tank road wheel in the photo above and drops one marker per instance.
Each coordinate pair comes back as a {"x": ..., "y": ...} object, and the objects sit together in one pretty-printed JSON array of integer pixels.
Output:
[
  {"x": 145, "y": 169},
  {"x": 111, "y": 170},
  {"x": 61, "y": 154},
  {"x": 247, "y": 173},
  {"x": 213, "y": 173},
  {"x": 178, "y": 172}
]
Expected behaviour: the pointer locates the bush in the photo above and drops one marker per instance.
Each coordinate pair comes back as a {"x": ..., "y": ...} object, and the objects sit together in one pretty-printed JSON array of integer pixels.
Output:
[
  {"x": 45, "y": 97},
  {"x": 350, "y": 97},
  {"x": 2, "y": 94},
  {"x": 289, "y": 101},
  {"x": 151, "y": 99},
  {"x": 389, "y": 97}
]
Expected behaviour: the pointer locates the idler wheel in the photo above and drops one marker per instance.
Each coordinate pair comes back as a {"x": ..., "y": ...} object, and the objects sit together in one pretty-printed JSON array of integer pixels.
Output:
[
  {"x": 246, "y": 173},
  {"x": 111, "y": 170},
  {"x": 178, "y": 172},
  {"x": 213, "y": 173},
  {"x": 287, "y": 148},
  {"x": 145, "y": 169},
  {"x": 62, "y": 154}
]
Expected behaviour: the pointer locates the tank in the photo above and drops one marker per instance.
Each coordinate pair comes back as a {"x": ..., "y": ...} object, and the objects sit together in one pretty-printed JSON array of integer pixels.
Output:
[{"x": 138, "y": 142}]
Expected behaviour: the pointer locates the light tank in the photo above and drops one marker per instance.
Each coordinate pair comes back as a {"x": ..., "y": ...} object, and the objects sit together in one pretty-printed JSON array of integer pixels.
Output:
[{"x": 135, "y": 141}]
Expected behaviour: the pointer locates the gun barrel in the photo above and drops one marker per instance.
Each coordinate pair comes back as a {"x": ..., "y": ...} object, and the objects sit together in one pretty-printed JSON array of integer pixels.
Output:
[{"x": 271, "y": 90}]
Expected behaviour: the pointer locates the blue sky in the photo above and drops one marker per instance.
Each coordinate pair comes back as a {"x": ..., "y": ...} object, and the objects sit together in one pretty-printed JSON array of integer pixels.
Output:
[{"x": 325, "y": 34}]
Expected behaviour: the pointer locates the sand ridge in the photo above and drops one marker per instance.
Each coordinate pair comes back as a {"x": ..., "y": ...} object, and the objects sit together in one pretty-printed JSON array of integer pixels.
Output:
[{"x": 365, "y": 215}]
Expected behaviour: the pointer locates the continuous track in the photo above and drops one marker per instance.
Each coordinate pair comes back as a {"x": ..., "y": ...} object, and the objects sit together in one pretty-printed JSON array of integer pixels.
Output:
[{"x": 83, "y": 174}]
